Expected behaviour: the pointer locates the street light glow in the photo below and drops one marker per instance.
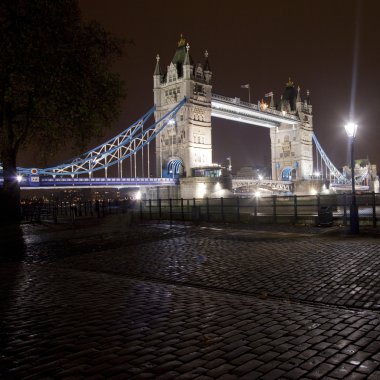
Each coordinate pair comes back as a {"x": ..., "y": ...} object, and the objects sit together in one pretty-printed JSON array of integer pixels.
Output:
[
  {"x": 19, "y": 178},
  {"x": 351, "y": 129}
]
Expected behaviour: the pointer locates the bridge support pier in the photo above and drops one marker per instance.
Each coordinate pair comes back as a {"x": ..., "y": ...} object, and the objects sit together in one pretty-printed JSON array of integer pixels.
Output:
[
  {"x": 313, "y": 186},
  {"x": 161, "y": 192}
]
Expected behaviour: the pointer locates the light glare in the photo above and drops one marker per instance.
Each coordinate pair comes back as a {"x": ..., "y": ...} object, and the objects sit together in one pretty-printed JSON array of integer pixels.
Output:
[{"x": 351, "y": 129}]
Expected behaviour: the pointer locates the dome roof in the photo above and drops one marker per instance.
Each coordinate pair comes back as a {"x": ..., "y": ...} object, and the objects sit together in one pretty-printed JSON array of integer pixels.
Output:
[
  {"x": 179, "y": 56},
  {"x": 290, "y": 95}
]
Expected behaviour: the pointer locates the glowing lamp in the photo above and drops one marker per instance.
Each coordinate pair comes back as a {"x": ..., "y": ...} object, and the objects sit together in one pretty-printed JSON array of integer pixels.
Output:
[{"x": 351, "y": 129}]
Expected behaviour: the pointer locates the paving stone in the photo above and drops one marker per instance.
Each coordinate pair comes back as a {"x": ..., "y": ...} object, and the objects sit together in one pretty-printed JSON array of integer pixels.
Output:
[
  {"x": 220, "y": 371},
  {"x": 247, "y": 367},
  {"x": 295, "y": 373},
  {"x": 104, "y": 302},
  {"x": 368, "y": 366},
  {"x": 342, "y": 371},
  {"x": 320, "y": 371},
  {"x": 374, "y": 375}
]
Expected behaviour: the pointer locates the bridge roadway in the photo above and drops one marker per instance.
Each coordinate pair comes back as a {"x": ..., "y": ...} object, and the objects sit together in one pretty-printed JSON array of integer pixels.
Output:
[
  {"x": 53, "y": 183},
  {"x": 234, "y": 109},
  {"x": 35, "y": 182}
]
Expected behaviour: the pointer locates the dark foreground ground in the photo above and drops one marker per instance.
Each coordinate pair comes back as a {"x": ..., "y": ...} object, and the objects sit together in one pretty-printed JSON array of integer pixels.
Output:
[{"x": 111, "y": 301}]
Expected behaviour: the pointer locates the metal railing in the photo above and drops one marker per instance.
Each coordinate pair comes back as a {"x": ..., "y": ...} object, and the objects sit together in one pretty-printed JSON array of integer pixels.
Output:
[
  {"x": 64, "y": 211},
  {"x": 317, "y": 210},
  {"x": 323, "y": 210}
]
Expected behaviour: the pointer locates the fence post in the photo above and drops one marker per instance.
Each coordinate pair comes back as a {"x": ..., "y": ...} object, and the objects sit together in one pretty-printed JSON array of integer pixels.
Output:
[
  {"x": 274, "y": 200},
  {"x": 373, "y": 209},
  {"x": 345, "y": 209},
  {"x": 238, "y": 209},
  {"x": 170, "y": 211},
  {"x": 182, "y": 212},
  {"x": 141, "y": 210},
  {"x": 295, "y": 209},
  {"x": 255, "y": 209},
  {"x": 55, "y": 213},
  {"x": 97, "y": 208},
  {"x": 222, "y": 208},
  {"x": 208, "y": 209},
  {"x": 150, "y": 209}
]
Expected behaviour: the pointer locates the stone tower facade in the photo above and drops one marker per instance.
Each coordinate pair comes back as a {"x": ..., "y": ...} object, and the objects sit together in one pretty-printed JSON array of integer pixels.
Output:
[
  {"x": 186, "y": 143},
  {"x": 291, "y": 145}
]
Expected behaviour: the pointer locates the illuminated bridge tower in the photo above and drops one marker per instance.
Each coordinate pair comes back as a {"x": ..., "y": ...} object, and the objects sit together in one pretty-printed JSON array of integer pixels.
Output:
[
  {"x": 291, "y": 145},
  {"x": 186, "y": 144}
]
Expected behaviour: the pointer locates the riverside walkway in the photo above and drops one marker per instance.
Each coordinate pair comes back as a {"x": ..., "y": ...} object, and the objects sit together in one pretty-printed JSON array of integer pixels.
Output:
[{"x": 105, "y": 300}]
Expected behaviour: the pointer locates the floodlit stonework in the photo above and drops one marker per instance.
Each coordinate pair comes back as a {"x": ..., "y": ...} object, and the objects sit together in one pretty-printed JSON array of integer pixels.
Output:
[
  {"x": 291, "y": 145},
  {"x": 186, "y": 143}
]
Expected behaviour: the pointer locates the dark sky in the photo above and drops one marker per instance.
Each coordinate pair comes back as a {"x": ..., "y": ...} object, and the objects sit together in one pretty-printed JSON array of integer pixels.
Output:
[{"x": 261, "y": 43}]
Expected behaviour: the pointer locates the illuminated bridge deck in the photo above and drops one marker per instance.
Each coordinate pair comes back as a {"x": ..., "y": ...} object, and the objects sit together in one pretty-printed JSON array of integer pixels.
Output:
[
  {"x": 49, "y": 183},
  {"x": 234, "y": 109}
]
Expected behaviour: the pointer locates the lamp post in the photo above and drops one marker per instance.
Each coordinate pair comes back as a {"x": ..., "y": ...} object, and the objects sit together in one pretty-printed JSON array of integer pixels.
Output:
[{"x": 351, "y": 129}]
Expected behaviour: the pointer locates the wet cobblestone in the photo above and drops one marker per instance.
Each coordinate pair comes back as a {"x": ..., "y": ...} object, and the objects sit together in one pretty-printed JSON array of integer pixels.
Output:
[{"x": 189, "y": 302}]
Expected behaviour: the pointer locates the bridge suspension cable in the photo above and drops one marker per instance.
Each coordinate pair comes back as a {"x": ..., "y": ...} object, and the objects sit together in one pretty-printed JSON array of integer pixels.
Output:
[
  {"x": 333, "y": 170},
  {"x": 116, "y": 150}
]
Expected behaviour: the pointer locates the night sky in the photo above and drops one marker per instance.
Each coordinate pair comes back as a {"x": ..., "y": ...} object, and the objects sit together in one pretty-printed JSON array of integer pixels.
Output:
[{"x": 261, "y": 43}]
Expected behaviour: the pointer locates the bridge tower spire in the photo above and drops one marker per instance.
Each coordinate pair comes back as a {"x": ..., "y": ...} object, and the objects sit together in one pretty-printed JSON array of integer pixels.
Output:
[
  {"x": 186, "y": 143},
  {"x": 291, "y": 145}
]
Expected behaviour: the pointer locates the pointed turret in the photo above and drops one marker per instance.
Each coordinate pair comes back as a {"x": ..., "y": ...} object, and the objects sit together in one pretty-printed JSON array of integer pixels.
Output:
[
  {"x": 206, "y": 65},
  {"x": 298, "y": 100},
  {"x": 187, "y": 63},
  {"x": 157, "y": 70},
  {"x": 298, "y": 94},
  {"x": 207, "y": 68},
  {"x": 310, "y": 107},
  {"x": 157, "y": 75},
  {"x": 308, "y": 98},
  {"x": 157, "y": 79}
]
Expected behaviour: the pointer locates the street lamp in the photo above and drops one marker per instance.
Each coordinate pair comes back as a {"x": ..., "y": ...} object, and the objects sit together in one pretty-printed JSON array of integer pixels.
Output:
[{"x": 351, "y": 129}]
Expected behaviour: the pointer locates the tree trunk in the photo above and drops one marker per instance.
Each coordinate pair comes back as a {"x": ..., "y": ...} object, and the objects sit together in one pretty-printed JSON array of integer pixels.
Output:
[{"x": 10, "y": 210}]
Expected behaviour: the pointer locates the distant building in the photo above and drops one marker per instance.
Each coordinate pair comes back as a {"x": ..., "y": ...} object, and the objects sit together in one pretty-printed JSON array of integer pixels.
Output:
[{"x": 365, "y": 173}]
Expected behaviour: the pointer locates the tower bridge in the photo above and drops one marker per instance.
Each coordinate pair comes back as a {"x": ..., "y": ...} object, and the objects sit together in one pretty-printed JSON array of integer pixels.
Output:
[{"x": 180, "y": 138}]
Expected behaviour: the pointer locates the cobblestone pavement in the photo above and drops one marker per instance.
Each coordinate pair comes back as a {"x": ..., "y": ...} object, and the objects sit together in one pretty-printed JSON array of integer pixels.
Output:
[{"x": 108, "y": 301}]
